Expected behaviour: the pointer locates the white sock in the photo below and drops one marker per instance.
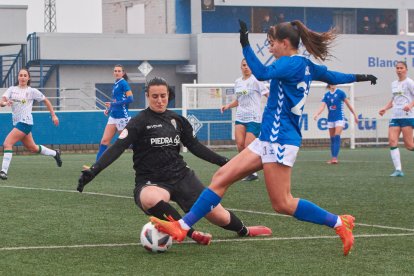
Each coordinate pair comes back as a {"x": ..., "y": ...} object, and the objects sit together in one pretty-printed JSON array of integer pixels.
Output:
[
  {"x": 255, "y": 173},
  {"x": 7, "y": 157},
  {"x": 46, "y": 151},
  {"x": 338, "y": 222},
  {"x": 184, "y": 225},
  {"x": 396, "y": 160}
]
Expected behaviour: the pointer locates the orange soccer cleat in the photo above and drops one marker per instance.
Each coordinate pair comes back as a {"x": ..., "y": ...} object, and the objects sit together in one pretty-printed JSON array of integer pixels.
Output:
[
  {"x": 345, "y": 232},
  {"x": 201, "y": 238},
  {"x": 260, "y": 230},
  {"x": 171, "y": 227}
]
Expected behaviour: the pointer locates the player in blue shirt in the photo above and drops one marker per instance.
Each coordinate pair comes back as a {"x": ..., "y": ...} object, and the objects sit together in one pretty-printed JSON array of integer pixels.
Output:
[
  {"x": 276, "y": 148},
  {"x": 117, "y": 109},
  {"x": 334, "y": 99}
]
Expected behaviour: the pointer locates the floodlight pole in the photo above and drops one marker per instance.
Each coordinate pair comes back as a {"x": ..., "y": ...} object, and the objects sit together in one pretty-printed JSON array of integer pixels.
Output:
[{"x": 50, "y": 16}]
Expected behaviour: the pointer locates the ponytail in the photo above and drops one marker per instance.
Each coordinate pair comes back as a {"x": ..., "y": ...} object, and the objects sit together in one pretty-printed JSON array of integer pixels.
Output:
[{"x": 317, "y": 44}]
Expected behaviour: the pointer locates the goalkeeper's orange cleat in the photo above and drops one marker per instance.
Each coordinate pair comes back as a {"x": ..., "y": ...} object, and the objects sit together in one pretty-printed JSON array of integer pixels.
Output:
[
  {"x": 171, "y": 227},
  {"x": 345, "y": 232},
  {"x": 260, "y": 230},
  {"x": 201, "y": 238}
]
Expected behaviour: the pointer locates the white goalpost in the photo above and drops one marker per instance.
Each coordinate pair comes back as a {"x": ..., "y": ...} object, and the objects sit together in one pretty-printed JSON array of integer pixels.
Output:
[{"x": 201, "y": 105}]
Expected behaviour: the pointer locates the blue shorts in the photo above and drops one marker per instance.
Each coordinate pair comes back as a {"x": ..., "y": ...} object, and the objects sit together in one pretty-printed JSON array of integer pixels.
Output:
[
  {"x": 24, "y": 127},
  {"x": 251, "y": 127},
  {"x": 401, "y": 122}
]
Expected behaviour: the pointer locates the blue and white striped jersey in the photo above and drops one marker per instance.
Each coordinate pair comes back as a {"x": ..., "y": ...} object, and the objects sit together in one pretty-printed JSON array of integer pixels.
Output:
[
  {"x": 335, "y": 103},
  {"x": 291, "y": 78}
]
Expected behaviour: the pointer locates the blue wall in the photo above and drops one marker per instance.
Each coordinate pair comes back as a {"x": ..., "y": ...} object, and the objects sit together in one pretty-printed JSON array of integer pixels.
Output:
[
  {"x": 225, "y": 19},
  {"x": 87, "y": 127},
  {"x": 183, "y": 16}
]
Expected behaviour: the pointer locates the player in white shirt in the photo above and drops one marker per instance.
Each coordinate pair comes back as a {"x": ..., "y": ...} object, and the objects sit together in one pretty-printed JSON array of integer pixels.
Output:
[
  {"x": 21, "y": 99},
  {"x": 402, "y": 121},
  {"x": 249, "y": 92}
]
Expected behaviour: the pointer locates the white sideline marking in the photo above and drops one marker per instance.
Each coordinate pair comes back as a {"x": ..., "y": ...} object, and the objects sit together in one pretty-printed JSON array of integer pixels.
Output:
[
  {"x": 359, "y": 224},
  {"x": 342, "y": 161},
  {"x": 187, "y": 242},
  {"x": 64, "y": 191},
  {"x": 384, "y": 227},
  {"x": 231, "y": 209}
]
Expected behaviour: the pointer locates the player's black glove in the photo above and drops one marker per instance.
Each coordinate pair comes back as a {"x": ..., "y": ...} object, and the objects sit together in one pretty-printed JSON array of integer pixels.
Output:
[
  {"x": 244, "y": 34},
  {"x": 86, "y": 177},
  {"x": 224, "y": 161},
  {"x": 371, "y": 78}
]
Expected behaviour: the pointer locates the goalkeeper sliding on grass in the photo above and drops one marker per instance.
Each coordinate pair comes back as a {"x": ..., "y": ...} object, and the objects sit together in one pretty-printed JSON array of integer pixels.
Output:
[
  {"x": 276, "y": 148},
  {"x": 161, "y": 173}
]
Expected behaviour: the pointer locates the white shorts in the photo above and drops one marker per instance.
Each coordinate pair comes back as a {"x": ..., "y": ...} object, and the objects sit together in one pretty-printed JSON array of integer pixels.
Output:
[
  {"x": 274, "y": 152},
  {"x": 338, "y": 123},
  {"x": 120, "y": 123}
]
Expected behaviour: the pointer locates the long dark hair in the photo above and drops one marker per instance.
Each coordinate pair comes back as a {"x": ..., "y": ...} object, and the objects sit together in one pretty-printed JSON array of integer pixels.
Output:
[
  {"x": 317, "y": 44},
  {"x": 125, "y": 76},
  {"x": 160, "y": 81}
]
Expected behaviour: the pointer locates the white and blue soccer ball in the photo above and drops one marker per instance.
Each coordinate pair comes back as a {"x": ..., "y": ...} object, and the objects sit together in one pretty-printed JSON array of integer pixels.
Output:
[{"x": 153, "y": 240}]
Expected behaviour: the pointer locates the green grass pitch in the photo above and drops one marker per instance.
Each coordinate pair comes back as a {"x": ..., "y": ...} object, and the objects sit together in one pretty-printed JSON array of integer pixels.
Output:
[{"x": 48, "y": 228}]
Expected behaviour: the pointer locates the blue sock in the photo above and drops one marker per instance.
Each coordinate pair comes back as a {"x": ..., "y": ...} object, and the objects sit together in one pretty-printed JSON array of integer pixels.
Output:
[
  {"x": 337, "y": 145},
  {"x": 204, "y": 204},
  {"x": 102, "y": 149},
  {"x": 310, "y": 212},
  {"x": 332, "y": 146}
]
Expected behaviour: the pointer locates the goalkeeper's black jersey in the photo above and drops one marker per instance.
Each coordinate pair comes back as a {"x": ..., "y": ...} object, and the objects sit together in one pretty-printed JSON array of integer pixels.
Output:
[{"x": 156, "y": 139}]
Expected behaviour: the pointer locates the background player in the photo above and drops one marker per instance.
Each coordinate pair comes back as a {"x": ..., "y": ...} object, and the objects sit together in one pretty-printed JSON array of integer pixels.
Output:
[
  {"x": 276, "y": 148},
  {"x": 117, "y": 110},
  {"x": 402, "y": 121},
  {"x": 21, "y": 98},
  {"x": 161, "y": 174},
  {"x": 249, "y": 92},
  {"x": 334, "y": 99}
]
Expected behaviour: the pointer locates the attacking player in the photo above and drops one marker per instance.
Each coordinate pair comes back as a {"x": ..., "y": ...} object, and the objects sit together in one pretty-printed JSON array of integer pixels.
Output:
[
  {"x": 161, "y": 173},
  {"x": 276, "y": 148}
]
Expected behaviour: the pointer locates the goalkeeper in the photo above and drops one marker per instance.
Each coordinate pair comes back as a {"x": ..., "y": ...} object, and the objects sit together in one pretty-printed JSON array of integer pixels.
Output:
[
  {"x": 276, "y": 148},
  {"x": 161, "y": 173}
]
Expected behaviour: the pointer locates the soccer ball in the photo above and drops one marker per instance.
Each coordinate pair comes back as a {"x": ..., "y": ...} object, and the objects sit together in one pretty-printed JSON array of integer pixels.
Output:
[{"x": 153, "y": 240}]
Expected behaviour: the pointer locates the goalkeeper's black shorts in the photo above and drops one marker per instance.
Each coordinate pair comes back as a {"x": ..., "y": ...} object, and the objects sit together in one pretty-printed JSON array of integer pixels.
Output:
[{"x": 184, "y": 192}]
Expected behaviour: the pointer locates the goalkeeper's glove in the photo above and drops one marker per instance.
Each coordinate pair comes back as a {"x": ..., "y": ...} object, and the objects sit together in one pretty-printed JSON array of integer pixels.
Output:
[
  {"x": 85, "y": 177},
  {"x": 244, "y": 34},
  {"x": 371, "y": 78},
  {"x": 224, "y": 161}
]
